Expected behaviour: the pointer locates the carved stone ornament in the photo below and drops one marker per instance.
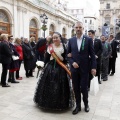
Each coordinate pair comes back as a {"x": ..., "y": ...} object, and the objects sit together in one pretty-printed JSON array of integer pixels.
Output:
[{"x": 59, "y": 22}]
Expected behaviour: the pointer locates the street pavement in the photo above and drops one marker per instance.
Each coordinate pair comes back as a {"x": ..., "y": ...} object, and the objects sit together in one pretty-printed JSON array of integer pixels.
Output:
[{"x": 16, "y": 102}]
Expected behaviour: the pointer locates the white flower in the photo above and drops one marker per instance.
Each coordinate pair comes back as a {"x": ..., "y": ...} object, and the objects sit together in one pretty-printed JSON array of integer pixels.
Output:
[{"x": 40, "y": 63}]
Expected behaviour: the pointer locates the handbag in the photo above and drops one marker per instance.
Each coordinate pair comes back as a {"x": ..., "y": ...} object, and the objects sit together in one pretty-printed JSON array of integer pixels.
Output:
[
  {"x": 94, "y": 87},
  {"x": 15, "y": 57}
]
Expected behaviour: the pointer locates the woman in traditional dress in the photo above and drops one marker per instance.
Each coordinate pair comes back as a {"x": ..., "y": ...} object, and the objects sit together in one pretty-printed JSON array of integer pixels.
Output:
[{"x": 52, "y": 90}]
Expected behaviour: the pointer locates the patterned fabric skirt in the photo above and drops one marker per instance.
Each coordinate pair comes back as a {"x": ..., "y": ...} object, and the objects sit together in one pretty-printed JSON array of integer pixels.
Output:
[{"x": 52, "y": 91}]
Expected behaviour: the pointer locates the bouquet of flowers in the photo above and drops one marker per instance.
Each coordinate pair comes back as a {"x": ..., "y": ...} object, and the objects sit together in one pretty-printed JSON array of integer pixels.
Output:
[{"x": 40, "y": 65}]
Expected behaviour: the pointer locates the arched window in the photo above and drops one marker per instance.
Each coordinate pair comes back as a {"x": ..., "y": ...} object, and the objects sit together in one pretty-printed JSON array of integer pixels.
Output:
[
  {"x": 108, "y": 19},
  {"x": 3, "y": 17},
  {"x": 64, "y": 33},
  {"x": 52, "y": 29},
  {"x": 72, "y": 33},
  {"x": 33, "y": 29},
  {"x": 4, "y": 22},
  {"x": 33, "y": 24}
]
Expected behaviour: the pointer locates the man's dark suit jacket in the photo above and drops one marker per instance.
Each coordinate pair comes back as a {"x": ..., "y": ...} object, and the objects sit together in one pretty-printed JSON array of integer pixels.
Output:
[
  {"x": 114, "y": 44},
  {"x": 82, "y": 57},
  {"x": 98, "y": 49},
  {"x": 5, "y": 53}
]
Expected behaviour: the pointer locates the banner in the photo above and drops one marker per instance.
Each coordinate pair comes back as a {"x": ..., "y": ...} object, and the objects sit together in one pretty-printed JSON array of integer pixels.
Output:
[{"x": 105, "y": 31}]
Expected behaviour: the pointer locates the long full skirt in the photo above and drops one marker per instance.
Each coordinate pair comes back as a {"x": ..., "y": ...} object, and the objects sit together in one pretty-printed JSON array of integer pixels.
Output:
[{"x": 52, "y": 91}]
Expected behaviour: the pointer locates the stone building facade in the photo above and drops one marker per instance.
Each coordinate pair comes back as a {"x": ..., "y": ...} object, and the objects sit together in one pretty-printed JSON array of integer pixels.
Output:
[
  {"x": 86, "y": 16},
  {"x": 110, "y": 14},
  {"x": 91, "y": 23},
  {"x": 21, "y": 18}
]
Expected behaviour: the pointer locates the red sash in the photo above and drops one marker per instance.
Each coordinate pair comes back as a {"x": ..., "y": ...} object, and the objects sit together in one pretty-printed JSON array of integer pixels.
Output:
[{"x": 58, "y": 60}]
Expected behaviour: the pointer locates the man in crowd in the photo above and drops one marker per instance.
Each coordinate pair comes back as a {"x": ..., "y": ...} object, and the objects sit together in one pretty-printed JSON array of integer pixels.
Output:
[
  {"x": 113, "y": 56},
  {"x": 105, "y": 58},
  {"x": 98, "y": 51},
  {"x": 81, "y": 47},
  {"x": 6, "y": 55}
]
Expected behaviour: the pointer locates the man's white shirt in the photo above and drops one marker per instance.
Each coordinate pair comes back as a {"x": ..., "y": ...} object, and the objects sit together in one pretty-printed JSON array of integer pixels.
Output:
[{"x": 79, "y": 42}]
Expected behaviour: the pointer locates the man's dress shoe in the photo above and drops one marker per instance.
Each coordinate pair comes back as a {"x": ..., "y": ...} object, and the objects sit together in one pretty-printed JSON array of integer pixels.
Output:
[
  {"x": 76, "y": 110},
  {"x": 14, "y": 82},
  {"x": 6, "y": 85},
  {"x": 111, "y": 74},
  {"x": 99, "y": 82},
  {"x": 87, "y": 109}
]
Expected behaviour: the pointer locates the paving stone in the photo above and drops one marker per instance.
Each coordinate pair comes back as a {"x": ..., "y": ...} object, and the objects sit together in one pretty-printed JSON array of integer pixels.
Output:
[{"x": 16, "y": 102}]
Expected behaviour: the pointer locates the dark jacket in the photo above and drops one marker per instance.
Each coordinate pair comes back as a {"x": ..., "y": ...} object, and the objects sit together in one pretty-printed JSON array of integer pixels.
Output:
[
  {"x": 41, "y": 45},
  {"x": 114, "y": 45},
  {"x": 28, "y": 56},
  {"x": 98, "y": 47},
  {"x": 106, "y": 50},
  {"x": 5, "y": 53},
  {"x": 14, "y": 65},
  {"x": 33, "y": 46},
  {"x": 82, "y": 57}
]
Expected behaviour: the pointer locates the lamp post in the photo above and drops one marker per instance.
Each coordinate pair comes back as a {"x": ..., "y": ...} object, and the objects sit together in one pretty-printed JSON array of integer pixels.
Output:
[{"x": 44, "y": 20}]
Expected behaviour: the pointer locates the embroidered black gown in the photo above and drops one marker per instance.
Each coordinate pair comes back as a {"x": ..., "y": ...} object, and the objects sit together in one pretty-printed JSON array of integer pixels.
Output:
[{"x": 52, "y": 91}]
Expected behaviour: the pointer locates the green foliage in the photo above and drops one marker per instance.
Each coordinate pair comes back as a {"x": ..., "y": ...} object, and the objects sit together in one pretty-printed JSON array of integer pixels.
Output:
[{"x": 44, "y": 28}]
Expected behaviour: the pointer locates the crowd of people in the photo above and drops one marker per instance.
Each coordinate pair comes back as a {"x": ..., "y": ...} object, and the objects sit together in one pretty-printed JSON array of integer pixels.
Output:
[
  {"x": 13, "y": 52},
  {"x": 86, "y": 57}
]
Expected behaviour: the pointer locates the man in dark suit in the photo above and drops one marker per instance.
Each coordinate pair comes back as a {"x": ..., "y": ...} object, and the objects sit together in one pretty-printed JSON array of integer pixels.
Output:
[
  {"x": 98, "y": 51},
  {"x": 6, "y": 55},
  {"x": 81, "y": 47},
  {"x": 113, "y": 56}
]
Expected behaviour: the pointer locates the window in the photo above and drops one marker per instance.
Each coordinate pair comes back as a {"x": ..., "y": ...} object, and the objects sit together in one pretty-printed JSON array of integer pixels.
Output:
[
  {"x": 85, "y": 21},
  {"x": 107, "y": 6},
  {"x": 33, "y": 24},
  {"x": 90, "y": 21},
  {"x": 72, "y": 11},
  {"x": 3, "y": 16},
  {"x": 107, "y": 20},
  {"x": 3, "y": 28},
  {"x": 77, "y": 10}
]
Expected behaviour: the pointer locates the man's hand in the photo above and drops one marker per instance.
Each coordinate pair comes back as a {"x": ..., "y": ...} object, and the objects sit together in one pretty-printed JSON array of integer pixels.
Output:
[
  {"x": 93, "y": 72},
  {"x": 69, "y": 55},
  {"x": 75, "y": 65}
]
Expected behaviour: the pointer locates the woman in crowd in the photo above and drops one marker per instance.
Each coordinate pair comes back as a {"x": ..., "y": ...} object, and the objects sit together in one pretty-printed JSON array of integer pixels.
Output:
[
  {"x": 52, "y": 91},
  {"x": 14, "y": 65},
  {"x": 33, "y": 43},
  {"x": 18, "y": 47},
  {"x": 6, "y": 54},
  {"x": 29, "y": 58}
]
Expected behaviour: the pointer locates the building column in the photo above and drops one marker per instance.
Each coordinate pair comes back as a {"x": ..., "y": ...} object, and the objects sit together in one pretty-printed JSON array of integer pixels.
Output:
[
  {"x": 15, "y": 20},
  {"x": 26, "y": 23},
  {"x": 20, "y": 22}
]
